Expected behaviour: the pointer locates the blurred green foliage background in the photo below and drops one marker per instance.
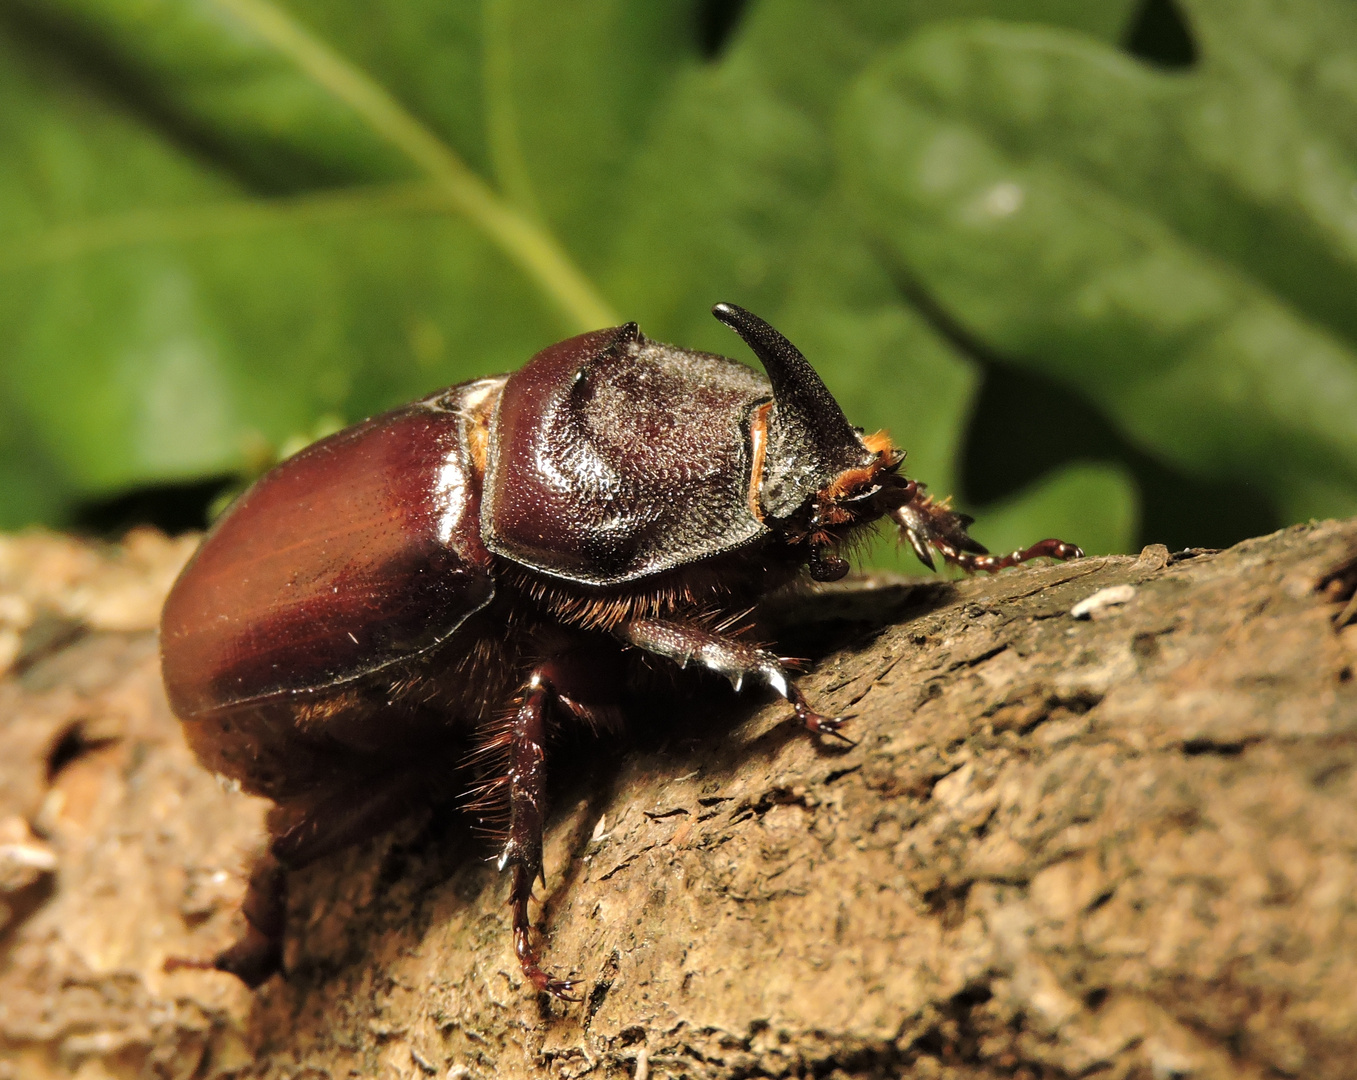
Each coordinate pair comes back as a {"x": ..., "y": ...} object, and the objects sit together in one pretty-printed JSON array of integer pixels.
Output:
[{"x": 1093, "y": 262}]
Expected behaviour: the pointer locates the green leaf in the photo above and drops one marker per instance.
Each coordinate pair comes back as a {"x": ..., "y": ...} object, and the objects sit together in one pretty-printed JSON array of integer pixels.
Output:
[
  {"x": 1095, "y": 506},
  {"x": 31, "y": 485},
  {"x": 740, "y": 157},
  {"x": 1237, "y": 160},
  {"x": 258, "y": 79},
  {"x": 157, "y": 326},
  {"x": 572, "y": 92},
  {"x": 1022, "y": 234},
  {"x": 188, "y": 352}
]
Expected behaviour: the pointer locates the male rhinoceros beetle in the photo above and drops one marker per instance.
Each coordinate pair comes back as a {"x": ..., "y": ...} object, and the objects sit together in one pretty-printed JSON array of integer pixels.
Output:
[{"x": 468, "y": 567}]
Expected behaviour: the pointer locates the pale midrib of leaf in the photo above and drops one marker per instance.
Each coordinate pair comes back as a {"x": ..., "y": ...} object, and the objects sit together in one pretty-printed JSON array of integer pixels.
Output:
[
  {"x": 501, "y": 116},
  {"x": 78, "y": 239},
  {"x": 536, "y": 252}
]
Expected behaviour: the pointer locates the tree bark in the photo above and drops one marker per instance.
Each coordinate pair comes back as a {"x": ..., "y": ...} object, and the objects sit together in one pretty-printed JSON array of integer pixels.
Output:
[{"x": 1123, "y": 845}]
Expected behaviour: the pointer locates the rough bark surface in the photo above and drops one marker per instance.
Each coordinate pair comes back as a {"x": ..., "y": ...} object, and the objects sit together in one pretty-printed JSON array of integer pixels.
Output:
[{"x": 1122, "y": 845}]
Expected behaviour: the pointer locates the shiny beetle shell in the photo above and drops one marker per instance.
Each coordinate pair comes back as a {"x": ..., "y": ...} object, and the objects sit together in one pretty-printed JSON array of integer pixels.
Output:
[
  {"x": 356, "y": 553},
  {"x": 455, "y": 574}
]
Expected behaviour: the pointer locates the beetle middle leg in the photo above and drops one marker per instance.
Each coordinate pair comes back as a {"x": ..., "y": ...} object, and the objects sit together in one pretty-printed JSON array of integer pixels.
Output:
[
  {"x": 686, "y": 643},
  {"x": 579, "y": 683}
]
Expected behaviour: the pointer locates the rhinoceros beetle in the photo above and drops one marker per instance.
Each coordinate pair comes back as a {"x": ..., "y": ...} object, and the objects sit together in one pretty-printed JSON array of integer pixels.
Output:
[{"x": 503, "y": 555}]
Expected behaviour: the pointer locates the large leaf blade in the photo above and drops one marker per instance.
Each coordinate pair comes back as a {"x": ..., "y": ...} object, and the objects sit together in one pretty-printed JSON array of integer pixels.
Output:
[
  {"x": 253, "y": 75},
  {"x": 740, "y": 157},
  {"x": 1238, "y": 162},
  {"x": 156, "y": 325},
  {"x": 1194, "y": 358},
  {"x": 184, "y": 355}
]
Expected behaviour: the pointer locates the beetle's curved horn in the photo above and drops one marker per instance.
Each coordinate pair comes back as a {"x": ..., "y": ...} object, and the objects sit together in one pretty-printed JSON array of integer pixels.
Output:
[
  {"x": 809, "y": 427},
  {"x": 802, "y": 397}
]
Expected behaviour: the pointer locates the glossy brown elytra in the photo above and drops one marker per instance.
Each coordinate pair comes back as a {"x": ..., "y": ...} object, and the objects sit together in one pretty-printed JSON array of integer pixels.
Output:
[{"x": 464, "y": 569}]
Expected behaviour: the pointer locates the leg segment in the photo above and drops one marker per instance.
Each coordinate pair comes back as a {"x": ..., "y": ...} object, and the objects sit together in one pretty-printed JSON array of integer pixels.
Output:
[
  {"x": 579, "y": 680},
  {"x": 523, "y": 850},
  {"x": 928, "y": 524},
  {"x": 259, "y": 952},
  {"x": 686, "y": 643}
]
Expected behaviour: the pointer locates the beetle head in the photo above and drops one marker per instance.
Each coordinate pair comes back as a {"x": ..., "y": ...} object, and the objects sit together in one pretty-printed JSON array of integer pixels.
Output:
[{"x": 815, "y": 477}]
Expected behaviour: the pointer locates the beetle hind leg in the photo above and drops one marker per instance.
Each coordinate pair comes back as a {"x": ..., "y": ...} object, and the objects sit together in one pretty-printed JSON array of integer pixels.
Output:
[
  {"x": 258, "y": 953},
  {"x": 688, "y": 643},
  {"x": 577, "y": 680}
]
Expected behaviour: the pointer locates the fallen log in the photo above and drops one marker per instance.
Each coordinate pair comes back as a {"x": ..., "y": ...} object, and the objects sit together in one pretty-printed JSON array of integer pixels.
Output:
[{"x": 1102, "y": 819}]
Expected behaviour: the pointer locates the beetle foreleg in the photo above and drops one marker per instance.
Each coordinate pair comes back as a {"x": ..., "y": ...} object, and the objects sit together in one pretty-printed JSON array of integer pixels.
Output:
[
  {"x": 686, "y": 643},
  {"x": 527, "y": 810},
  {"x": 928, "y": 524}
]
